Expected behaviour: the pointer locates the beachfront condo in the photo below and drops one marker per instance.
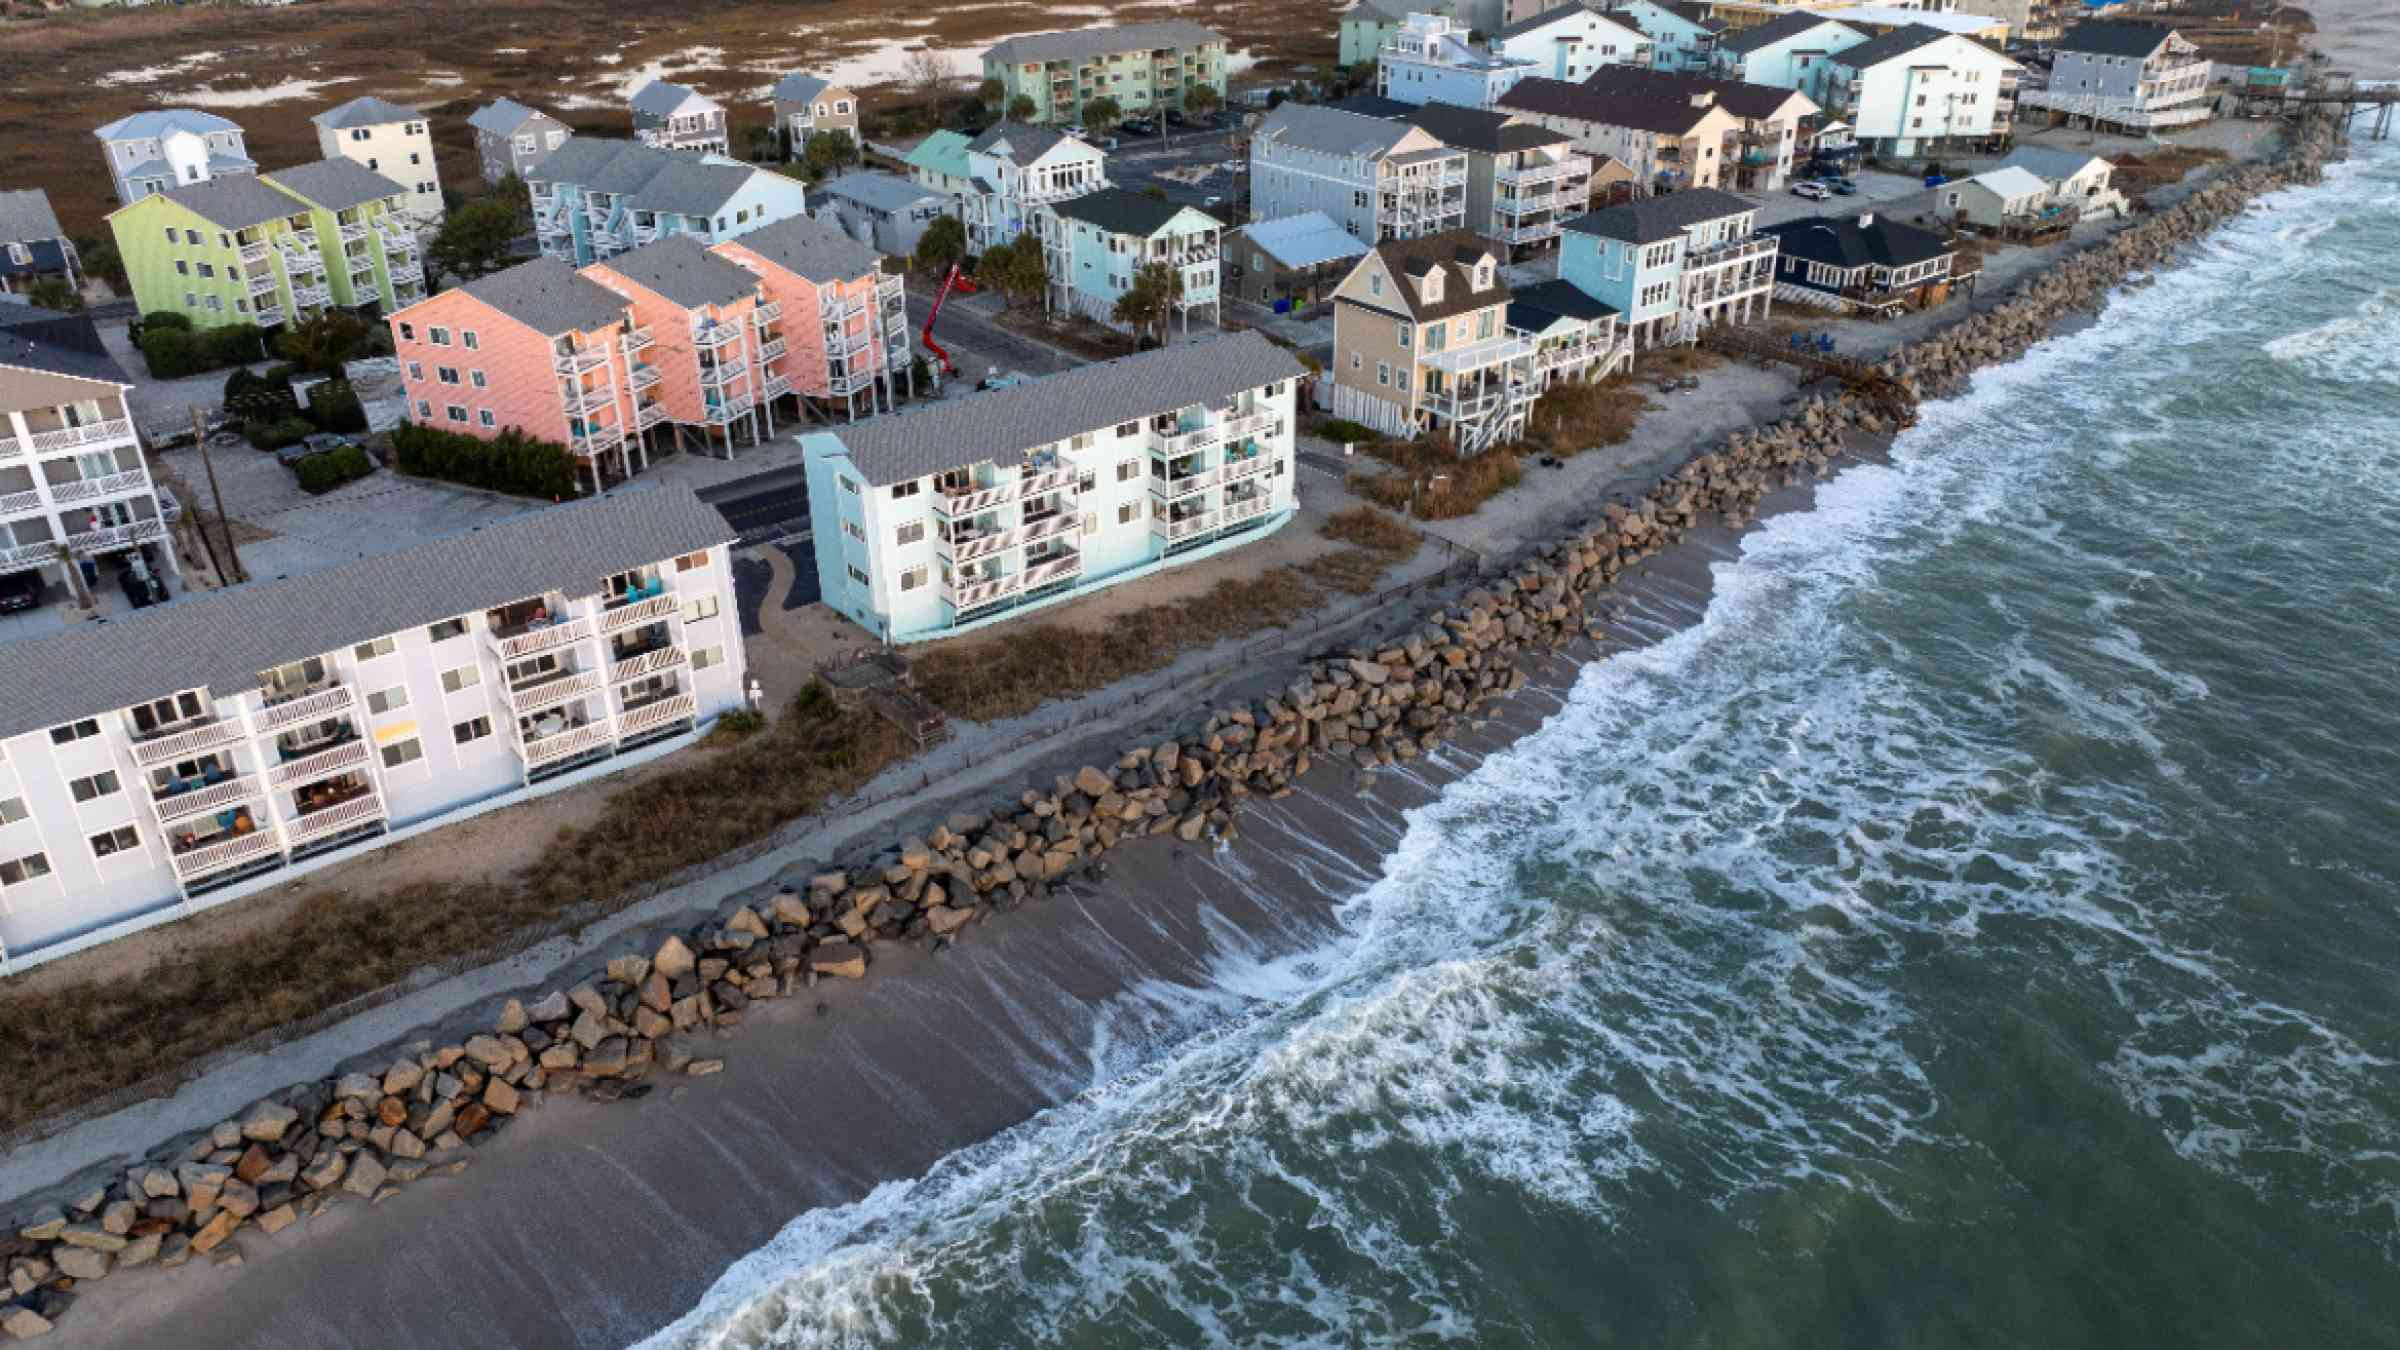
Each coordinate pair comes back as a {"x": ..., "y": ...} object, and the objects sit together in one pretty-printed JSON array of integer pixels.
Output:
[
  {"x": 171, "y": 147},
  {"x": 2137, "y": 76},
  {"x": 671, "y": 117},
  {"x": 594, "y": 198},
  {"x": 1380, "y": 179},
  {"x": 672, "y": 342},
  {"x": 1014, "y": 170},
  {"x": 1096, "y": 243},
  {"x": 390, "y": 139},
  {"x": 1683, "y": 35},
  {"x": 961, "y": 514},
  {"x": 1145, "y": 67},
  {"x": 1571, "y": 41},
  {"x": 1523, "y": 179},
  {"x": 511, "y": 138},
  {"x": 186, "y": 755},
  {"x": 1673, "y": 265},
  {"x": 1919, "y": 90},
  {"x": 270, "y": 250},
  {"x": 1669, "y": 144},
  {"x": 1421, "y": 343},
  {"x": 74, "y": 486},
  {"x": 32, "y": 244},
  {"x": 807, "y": 104},
  {"x": 1868, "y": 262},
  {"x": 1430, "y": 60},
  {"x": 1757, "y": 155},
  {"x": 1784, "y": 51}
]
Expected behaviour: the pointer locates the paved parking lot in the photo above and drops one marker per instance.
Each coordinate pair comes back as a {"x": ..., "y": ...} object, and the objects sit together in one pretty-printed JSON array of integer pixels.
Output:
[
  {"x": 1874, "y": 187},
  {"x": 1139, "y": 163}
]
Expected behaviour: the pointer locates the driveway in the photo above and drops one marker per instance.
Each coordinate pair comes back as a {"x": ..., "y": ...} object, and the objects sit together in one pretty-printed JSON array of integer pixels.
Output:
[
  {"x": 964, "y": 317},
  {"x": 1874, "y": 188},
  {"x": 163, "y": 407}
]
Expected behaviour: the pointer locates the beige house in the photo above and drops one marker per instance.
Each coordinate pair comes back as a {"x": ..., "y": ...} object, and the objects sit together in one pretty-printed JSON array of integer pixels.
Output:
[
  {"x": 390, "y": 139},
  {"x": 1668, "y": 142},
  {"x": 806, "y": 105},
  {"x": 1421, "y": 343}
]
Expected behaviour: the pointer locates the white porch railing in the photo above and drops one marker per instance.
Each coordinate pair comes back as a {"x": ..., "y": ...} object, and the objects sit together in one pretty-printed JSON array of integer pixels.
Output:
[
  {"x": 579, "y": 360},
  {"x": 334, "y": 819},
  {"x": 108, "y": 485},
  {"x": 768, "y": 313},
  {"x": 980, "y": 546},
  {"x": 560, "y": 745},
  {"x": 254, "y": 252},
  {"x": 1236, "y": 512},
  {"x": 1185, "y": 442},
  {"x": 188, "y": 744},
  {"x": 650, "y": 415},
  {"x": 552, "y": 692},
  {"x": 777, "y": 384},
  {"x": 975, "y": 502},
  {"x": 643, "y": 376},
  {"x": 651, "y": 716},
  {"x": 116, "y": 536},
  {"x": 637, "y": 613},
  {"x": 648, "y": 663},
  {"x": 1171, "y": 489},
  {"x": 11, "y": 447},
  {"x": 219, "y": 857},
  {"x": 772, "y": 349},
  {"x": 978, "y": 593},
  {"x": 545, "y": 638},
  {"x": 27, "y": 553},
  {"x": 323, "y": 764},
  {"x": 1238, "y": 469},
  {"x": 65, "y": 438},
  {"x": 314, "y": 707},
  {"x": 1184, "y": 528},
  {"x": 1065, "y": 522},
  {"x": 1042, "y": 574},
  {"x": 15, "y": 503},
  {"x": 638, "y": 337},
  {"x": 214, "y": 797},
  {"x": 1236, "y": 427}
]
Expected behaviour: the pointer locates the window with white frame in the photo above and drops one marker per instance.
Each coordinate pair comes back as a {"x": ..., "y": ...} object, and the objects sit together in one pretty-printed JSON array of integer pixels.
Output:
[
  {"x": 95, "y": 786},
  {"x": 30, "y": 867},
  {"x": 707, "y": 658},
  {"x": 388, "y": 700},
  {"x": 473, "y": 729},
  {"x": 700, "y": 607},
  {"x": 122, "y": 839},
  {"x": 463, "y": 677},
  {"x": 401, "y": 753}
]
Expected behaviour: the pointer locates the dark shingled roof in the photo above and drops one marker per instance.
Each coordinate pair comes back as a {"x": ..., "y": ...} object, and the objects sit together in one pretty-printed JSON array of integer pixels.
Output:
[
  {"x": 1651, "y": 220},
  {"x": 1898, "y": 42},
  {"x": 26, "y": 217},
  {"x": 1454, "y": 253},
  {"x": 1080, "y": 44},
  {"x": 549, "y": 297},
  {"x": 811, "y": 248},
  {"x": 59, "y": 344},
  {"x": 1843, "y": 242},
  {"x": 2113, "y": 39},
  {"x": 1372, "y": 105},
  {"x": 233, "y": 202},
  {"x": 1642, "y": 112},
  {"x": 681, "y": 269},
  {"x": 1001, "y": 425},
  {"x": 336, "y": 184},
  {"x": 1775, "y": 30},
  {"x": 1554, "y": 14},
  {"x": 1537, "y": 307},
  {"x": 223, "y": 639},
  {"x": 1025, "y": 144},
  {"x": 1490, "y": 133},
  {"x": 1123, "y": 211},
  {"x": 1752, "y": 102}
]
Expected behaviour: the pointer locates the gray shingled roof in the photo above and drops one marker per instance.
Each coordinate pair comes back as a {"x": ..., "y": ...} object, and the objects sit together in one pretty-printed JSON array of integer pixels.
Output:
[
  {"x": 1775, "y": 30},
  {"x": 336, "y": 184},
  {"x": 1842, "y": 241},
  {"x": 367, "y": 111},
  {"x": 503, "y": 116},
  {"x": 690, "y": 188},
  {"x": 1490, "y": 133},
  {"x": 25, "y": 216},
  {"x": 1016, "y": 142},
  {"x": 1537, "y": 307},
  {"x": 681, "y": 269},
  {"x": 59, "y": 344},
  {"x": 811, "y": 249},
  {"x": 1003, "y": 424},
  {"x": 1898, "y": 42},
  {"x": 800, "y": 87},
  {"x": 1754, "y": 102},
  {"x": 1650, "y": 220},
  {"x": 2113, "y": 39},
  {"x": 235, "y": 202},
  {"x": 141, "y": 126},
  {"x": 2050, "y": 161},
  {"x": 1080, "y": 44},
  {"x": 1642, "y": 112},
  {"x": 659, "y": 98},
  {"x": 1330, "y": 131},
  {"x": 549, "y": 297},
  {"x": 223, "y": 639},
  {"x": 875, "y": 188},
  {"x": 679, "y": 182},
  {"x": 1123, "y": 211},
  {"x": 1566, "y": 11},
  {"x": 1454, "y": 254}
]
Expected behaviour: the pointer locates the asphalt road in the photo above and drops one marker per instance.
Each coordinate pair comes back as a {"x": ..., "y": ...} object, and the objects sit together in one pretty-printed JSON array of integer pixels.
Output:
[
  {"x": 991, "y": 343},
  {"x": 762, "y": 507}
]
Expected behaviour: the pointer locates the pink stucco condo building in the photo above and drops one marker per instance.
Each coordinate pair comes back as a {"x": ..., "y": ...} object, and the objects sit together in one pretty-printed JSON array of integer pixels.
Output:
[{"x": 842, "y": 318}]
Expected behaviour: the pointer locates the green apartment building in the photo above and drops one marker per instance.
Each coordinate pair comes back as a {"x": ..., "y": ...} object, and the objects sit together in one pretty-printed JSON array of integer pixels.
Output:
[
  {"x": 270, "y": 250},
  {"x": 1145, "y": 67}
]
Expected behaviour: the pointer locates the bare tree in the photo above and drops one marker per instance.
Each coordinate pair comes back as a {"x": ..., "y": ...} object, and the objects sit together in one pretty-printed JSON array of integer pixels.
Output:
[{"x": 928, "y": 72}]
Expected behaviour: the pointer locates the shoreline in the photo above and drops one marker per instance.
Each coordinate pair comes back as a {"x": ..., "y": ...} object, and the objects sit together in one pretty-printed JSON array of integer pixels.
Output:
[{"x": 738, "y": 1157}]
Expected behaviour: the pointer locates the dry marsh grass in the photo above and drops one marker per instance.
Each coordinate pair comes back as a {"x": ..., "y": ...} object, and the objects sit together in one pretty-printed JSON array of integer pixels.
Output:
[{"x": 1431, "y": 482}]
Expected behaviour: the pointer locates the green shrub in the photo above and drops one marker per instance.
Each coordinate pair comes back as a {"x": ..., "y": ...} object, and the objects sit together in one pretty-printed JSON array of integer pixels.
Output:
[
  {"x": 335, "y": 407},
  {"x": 163, "y": 320},
  {"x": 277, "y": 432},
  {"x": 1343, "y": 429},
  {"x": 509, "y": 462},
  {"x": 174, "y": 351},
  {"x": 325, "y": 472}
]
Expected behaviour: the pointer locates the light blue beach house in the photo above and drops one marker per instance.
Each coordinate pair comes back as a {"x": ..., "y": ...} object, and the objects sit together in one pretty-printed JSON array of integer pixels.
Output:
[
  {"x": 1671, "y": 265},
  {"x": 1096, "y": 242},
  {"x": 595, "y": 198}
]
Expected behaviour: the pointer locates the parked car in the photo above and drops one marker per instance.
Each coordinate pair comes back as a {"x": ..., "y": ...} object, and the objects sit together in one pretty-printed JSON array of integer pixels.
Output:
[
  {"x": 20, "y": 590},
  {"x": 142, "y": 591},
  {"x": 1815, "y": 192},
  {"x": 1841, "y": 186},
  {"x": 311, "y": 445},
  {"x": 1138, "y": 126}
]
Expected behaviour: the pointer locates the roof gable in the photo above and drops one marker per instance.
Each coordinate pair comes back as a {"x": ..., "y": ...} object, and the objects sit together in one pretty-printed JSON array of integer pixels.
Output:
[
  {"x": 1653, "y": 220},
  {"x": 367, "y": 111},
  {"x": 1116, "y": 210},
  {"x": 1611, "y": 108},
  {"x": 154, "y": 122},
  {"x": 546, "y": 296},
  {"x": 25, "y": 216},
  {"x": 336, "y": 184},
  {"x": 1491, "y": 133},
  {"x": 2134, "y": 40},
  {"x": 1751, "y": 102},
  {"x": 1912, "y": 40},
  {"x": 1784, "y": 28},
  {"x": 1454, "y": 256},
  {"x": 502, "y": 117},
  {"x": 681, "y": 271},
  {"x": 1579, "y": 12}
]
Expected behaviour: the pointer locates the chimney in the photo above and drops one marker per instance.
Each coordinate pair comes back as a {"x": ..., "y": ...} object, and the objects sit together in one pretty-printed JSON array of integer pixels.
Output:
[{"x": 1865, "y": 218}]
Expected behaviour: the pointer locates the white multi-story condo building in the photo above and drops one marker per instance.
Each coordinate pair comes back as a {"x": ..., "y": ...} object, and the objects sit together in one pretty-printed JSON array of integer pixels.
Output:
[
  {"x": 955, "y": 515},
  {"x": 2133, "y": 75},
  {"x": 1013, "y": 170},
  {"x": 1428, "y": 59},
  {"x": 169, "y": 148},
  {"x": 74, "y": 486},
  {"x": 1573, "y": 40},
  {"x": 672, "y": 117},
  {"x": 195, "y": 752},
  {"x": 1379, "y": 179},
  {"x": 1919, "y": 90},
  {"x": 391, "y": 139}
]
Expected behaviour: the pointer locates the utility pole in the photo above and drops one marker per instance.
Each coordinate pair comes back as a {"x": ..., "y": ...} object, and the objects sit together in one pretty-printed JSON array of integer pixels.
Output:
[{"x": 233, "y": 559}]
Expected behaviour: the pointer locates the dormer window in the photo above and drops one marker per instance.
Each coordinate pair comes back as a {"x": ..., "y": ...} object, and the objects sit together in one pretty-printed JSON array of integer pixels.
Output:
[
  {"x": 1483, "y": 276},
  {"x": 1432, "y": 288}
]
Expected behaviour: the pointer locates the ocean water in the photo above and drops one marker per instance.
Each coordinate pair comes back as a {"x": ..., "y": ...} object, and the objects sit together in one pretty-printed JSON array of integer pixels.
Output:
[{"x": 1981, "y": 930}]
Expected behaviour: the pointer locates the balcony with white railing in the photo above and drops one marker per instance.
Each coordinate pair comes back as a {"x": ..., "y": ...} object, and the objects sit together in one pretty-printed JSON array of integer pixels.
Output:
[
  {"x": 643, "y": 376},
  {"x": 350, "y": 232},
  {"x": 648, "y": 415},
  {"x": 348, "y": 814},
  {"x": 767, "y": 313},
  {"x": 965, "y": 547},
  {"x": 314, "y": 706},
  {"x": 1052, "y": 570},
  {"x": 11, "y": 447},
  {"x": 23, "y": 554},
  {"x": 973, "y": 501},
  {"x": 1247, "y": 466},
  {"x": 776, "y": 385},
  {"x": 577, "y": 399},
  {"x": 312, "y": 296},
  {"x": 1183, "y": 528},
  {"x": 1246, "y": 508},
  {"x": 261, "y": 283},
  {"x": 1177, "y": 444},
  {"x": 617, "y": 618},
  {"x": 268, "y": 315},
  {"x": 94, "y": 489},
  {"x": 303, "y": 241},
  {"x": 194, "y": 864},
  {"x": 563, "y": 744},
  {"x": 638, "y": 337},
  {"x": 207, "y": 800},
  {"x": 190, "y": 743},
  {"x": 350, "y": 754},
  {"x": 1050, "y": 527},
  {"x": 974, "y": 593},
  {"x": 710, "y": 336},
  {"x": 729, "y": 408},
  {"x": 110, "y": 537},
  {"x": 28, "y": 502},
  {"x": 596, "y": 439},
  {"x": 517, "y": 644},
  {"x": 255, "y": 251},
  {"x": 641, "y": 719},
  {"x": 1234, "y": 428},
  {"x": 837, "y": 307},
  {"x": 773, "y": 349},
  {"x": 718, "y": 374},
  {"x": 578, "y": 360},
  {"x": 91, "y": 433},
  {"x": 648, "y": 663},
  {"x": 407, "y": 273},
  {"x": 552, "y": 690},
  {"x": 1477, "y": 356},
  {"x": 1176, "y": 488},
  {"x": 843, "y": 382}
]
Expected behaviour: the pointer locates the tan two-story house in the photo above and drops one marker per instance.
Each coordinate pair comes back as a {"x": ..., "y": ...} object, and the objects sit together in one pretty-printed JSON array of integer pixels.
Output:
[{"x": 1421, "y": 343}]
